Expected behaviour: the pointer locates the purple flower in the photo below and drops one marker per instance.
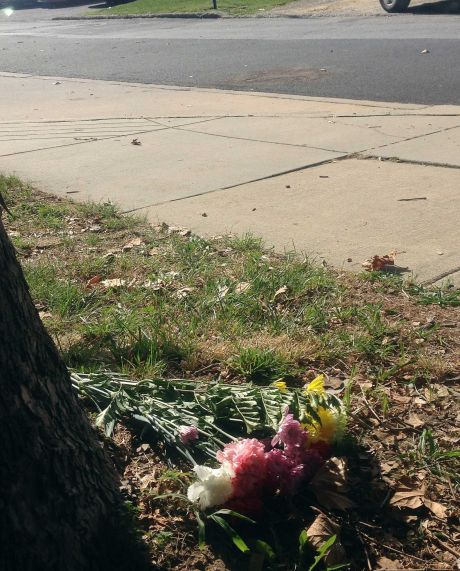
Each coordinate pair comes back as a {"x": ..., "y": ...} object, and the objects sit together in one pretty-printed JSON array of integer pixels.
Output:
[
  {"x": 188, "y": 434},
  {"x": 290, "y": 433}
]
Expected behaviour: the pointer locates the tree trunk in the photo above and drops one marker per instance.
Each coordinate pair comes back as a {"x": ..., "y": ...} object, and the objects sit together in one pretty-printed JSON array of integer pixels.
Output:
[{"x": 59, "y": 502}]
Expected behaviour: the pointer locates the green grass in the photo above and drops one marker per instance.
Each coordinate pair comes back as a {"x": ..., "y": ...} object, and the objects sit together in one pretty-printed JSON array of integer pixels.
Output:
[
  {"x": 231, "y": 7},
  {"x": 188, "y": 304}
]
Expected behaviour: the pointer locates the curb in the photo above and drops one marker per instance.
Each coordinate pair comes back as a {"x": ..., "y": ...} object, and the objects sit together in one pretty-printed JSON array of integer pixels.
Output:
[{"x": 188, "y": 15}]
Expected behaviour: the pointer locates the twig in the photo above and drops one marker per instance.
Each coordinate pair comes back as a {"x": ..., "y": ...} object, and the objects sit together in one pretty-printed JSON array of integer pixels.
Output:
[
  {"x": 369, "y": 406},
  {"x": 391, "y": 548},
  {"x": 386, "y": 498},
  {"x": 369, "y": 565},
  {"x": 445, "y": 546}
]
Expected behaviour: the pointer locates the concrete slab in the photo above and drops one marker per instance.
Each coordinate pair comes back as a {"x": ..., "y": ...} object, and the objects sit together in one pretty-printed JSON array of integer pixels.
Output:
[
  {"x": 168, "y": 165},
  {"x": 441, "y": 148},
  {"x": 349, "y": 210},
  {"x": 24, "y": 136},
  {"x": 47, "y": 98},
  {"x": 348, "y": 135}
]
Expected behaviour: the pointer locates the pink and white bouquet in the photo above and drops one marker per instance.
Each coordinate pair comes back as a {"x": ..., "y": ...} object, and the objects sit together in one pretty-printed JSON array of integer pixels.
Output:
[{"x": 251, "y": 469}]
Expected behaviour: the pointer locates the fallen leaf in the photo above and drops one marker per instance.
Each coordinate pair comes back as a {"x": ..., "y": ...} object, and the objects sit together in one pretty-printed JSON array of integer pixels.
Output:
[
  {"x": 440, "y": 390},
  {"x": 319, "y": 532},
  {"x": 408, "y": 496},
  {"x": 414, "y": 421},
  {"x": 330, "y": 485},
  {"x": 108, "y": 255},
  {"x": 379, "y": 262},
  {"x": 334, "y": 385},
  {"x": 183, "y": 292},
  {"x": 279, "y": 292},
  {"x": 93, "y": 281},
  {"x": 402, "y": 399},
  {"x": 222, "y": 292},
  {"x": 385, "y": 564},
  {"x": 116, "y": 282},
  {"x": 242, "y": 287},
  {"x": 132, "y": 243},
  {"x": 439, "y": 510},
  {"x": 157, "y": 285},
  {"x": 154, "y": 251},
  {"x": 387, "y": 467},
  {"x": 44, "y": 314},
  {"x": 321, "y": 529}
]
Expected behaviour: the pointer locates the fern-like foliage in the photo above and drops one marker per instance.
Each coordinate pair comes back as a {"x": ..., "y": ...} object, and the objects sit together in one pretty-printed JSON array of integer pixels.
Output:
[{"x": 221, "y": 412}]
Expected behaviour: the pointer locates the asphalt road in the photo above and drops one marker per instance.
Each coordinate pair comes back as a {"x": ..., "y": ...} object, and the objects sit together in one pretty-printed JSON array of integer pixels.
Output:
[{"x": 411, "y": 58}]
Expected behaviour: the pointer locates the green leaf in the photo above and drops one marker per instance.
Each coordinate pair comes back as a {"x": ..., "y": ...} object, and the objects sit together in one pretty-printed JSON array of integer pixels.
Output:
[
  {"x": 323, "y": 551},
  {"x": 264, "y": 548},
  {"x": 272, "y": 407},
  {"x": 234, "y": 536},
  {"x": 303, "y": 540},
  {"x": 225, "y": 511},
  {"x": 201, "y": 530}
]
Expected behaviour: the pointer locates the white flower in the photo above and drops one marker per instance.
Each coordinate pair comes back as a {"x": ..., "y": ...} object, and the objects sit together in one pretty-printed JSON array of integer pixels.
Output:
[{"x": 213, "y": 488}]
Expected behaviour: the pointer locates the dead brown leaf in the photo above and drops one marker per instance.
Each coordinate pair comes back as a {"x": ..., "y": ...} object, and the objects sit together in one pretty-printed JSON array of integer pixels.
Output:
[
  {"x": 279, "y": 292},
  {"x": 439, "y": 510},
  {"x": 183, "y": 292},
  {"x": 408, "y": 495},
  {"x": 242, "y": 287},
  {"x": 385, "y": 564},
  {"x": 379, "y": 262},
  {"x": 320, "y": 531},
  {"x": 132, "y": 243},
  {"x": 93, "y": 281},
  {"x": 414, "y": 420},
  {"x": 330, "y": 485}
]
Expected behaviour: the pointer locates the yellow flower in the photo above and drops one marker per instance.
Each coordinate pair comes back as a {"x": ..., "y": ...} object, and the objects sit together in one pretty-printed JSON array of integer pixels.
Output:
[
  {"x": 316, "y": 386},
  {"x": 325, "y": 430},
  {"x": 280, "y": 385}
]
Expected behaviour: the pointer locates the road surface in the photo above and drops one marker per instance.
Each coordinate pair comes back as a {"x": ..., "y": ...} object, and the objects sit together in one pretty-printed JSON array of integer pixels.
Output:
[{"x": 406, "y": 58}]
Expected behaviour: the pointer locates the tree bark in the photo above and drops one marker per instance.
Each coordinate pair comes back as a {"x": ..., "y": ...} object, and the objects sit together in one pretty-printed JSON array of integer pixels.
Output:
[{"x": 59, "y": 501}]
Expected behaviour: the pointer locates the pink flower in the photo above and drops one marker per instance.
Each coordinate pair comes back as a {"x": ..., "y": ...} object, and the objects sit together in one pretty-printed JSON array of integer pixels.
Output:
[
  {"x": 279, "y": 467},
  {"x": 290, "y": 433},
  {"x": 188, "y": 434},
  {"x": 246, "y": 459}
]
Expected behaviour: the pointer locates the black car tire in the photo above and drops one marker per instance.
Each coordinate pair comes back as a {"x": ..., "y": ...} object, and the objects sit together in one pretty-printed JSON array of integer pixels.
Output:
[{"x": 394, "y": 5}]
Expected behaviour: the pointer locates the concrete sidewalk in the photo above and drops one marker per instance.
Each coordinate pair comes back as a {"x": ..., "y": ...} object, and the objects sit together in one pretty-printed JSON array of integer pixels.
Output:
[{"x": 301, "y": 172}]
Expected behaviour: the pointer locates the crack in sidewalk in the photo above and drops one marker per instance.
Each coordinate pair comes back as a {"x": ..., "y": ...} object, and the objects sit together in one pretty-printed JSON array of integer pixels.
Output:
[{"x": 229, "y": 187}]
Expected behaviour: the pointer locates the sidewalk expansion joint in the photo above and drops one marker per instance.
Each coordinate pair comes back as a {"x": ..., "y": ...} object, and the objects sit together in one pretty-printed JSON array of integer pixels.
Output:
[
  {"x": 182, "y": 128},
  {"x": 118, "y": 136},
  {"x": 362, "y": 156},
  {"x": 273, "y": 175}
]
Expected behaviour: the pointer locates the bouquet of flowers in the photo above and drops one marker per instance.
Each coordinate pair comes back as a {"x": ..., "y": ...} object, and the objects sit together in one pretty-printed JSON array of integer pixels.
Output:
[{"x": 252, "y": 469}]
